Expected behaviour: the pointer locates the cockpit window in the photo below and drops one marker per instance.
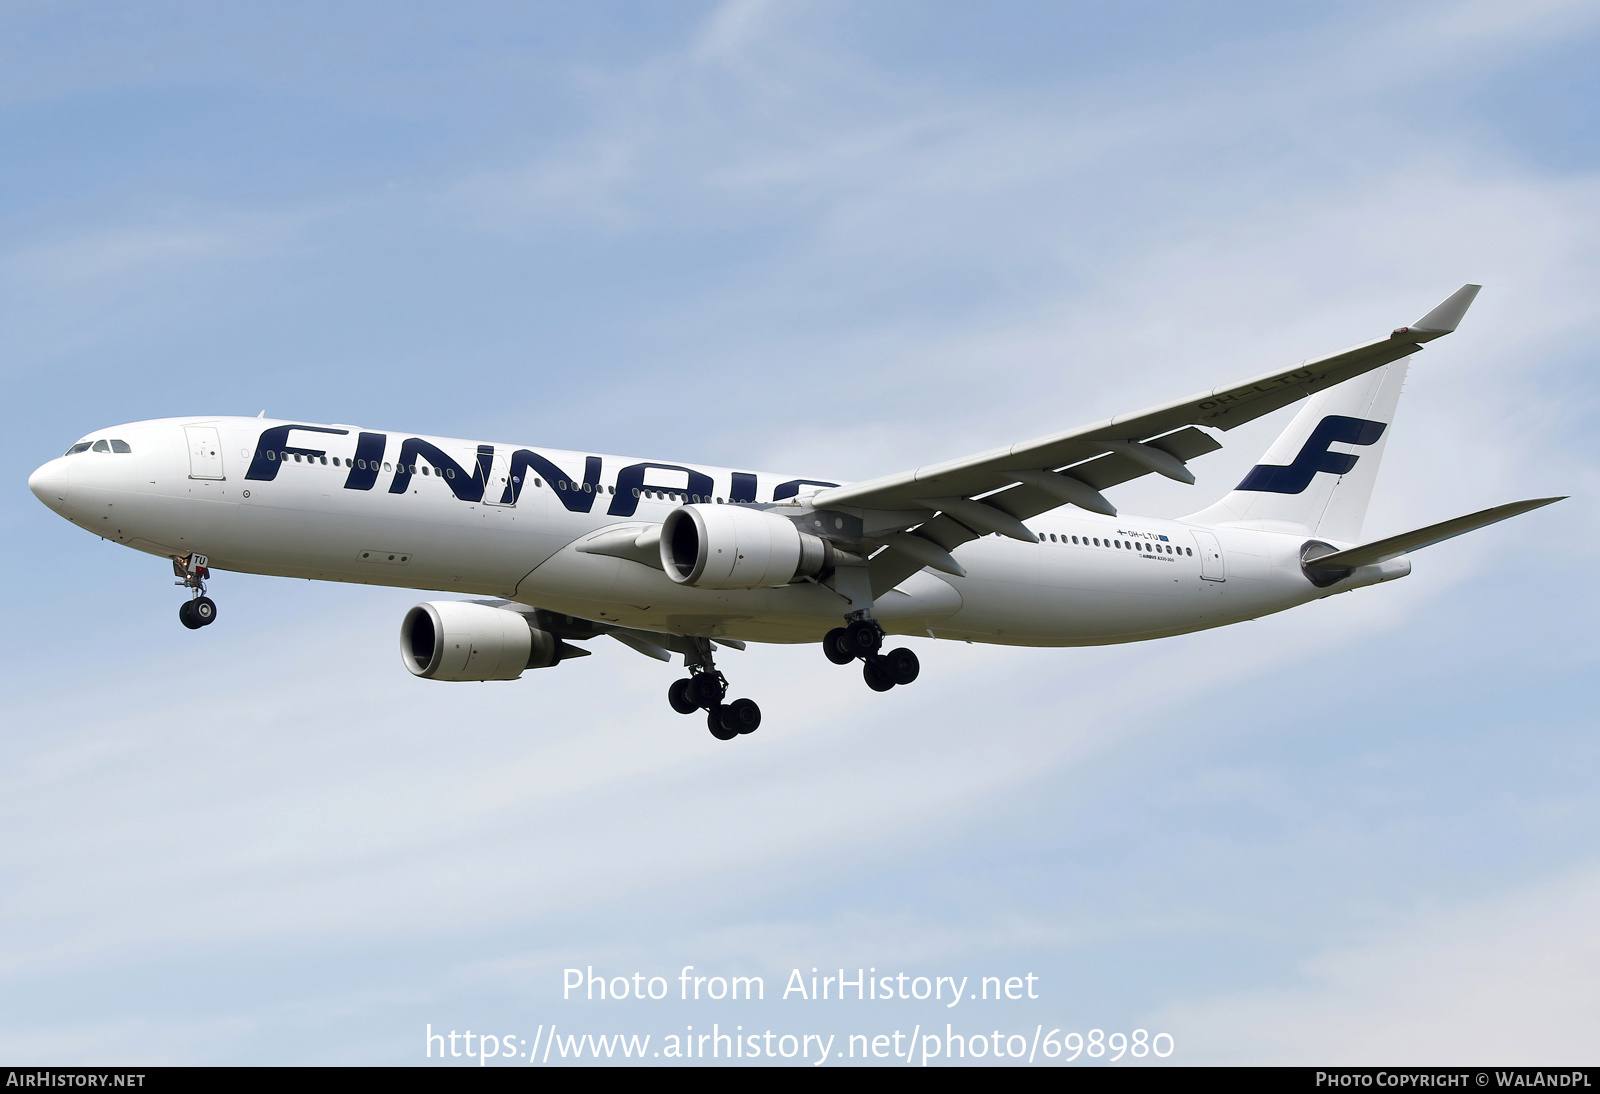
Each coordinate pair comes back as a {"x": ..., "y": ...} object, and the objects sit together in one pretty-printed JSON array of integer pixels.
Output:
[
  {"x": 82, "y": 446},
  {"x": 119, "y": 446},
  {"x": 101, "y": 446}
]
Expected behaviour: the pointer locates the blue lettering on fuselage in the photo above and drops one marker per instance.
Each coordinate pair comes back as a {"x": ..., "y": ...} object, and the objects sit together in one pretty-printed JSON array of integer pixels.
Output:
[
  {"x": 272, "y": 448},
  {"x": 273, "y": 445},
  {"x": 630, "y": 481},
  {"x": 364, "y": 468},
  {"x": 577, "y": 497},
  {"x": 792, "y": 487},
  {"x": 467, "y": 488}
]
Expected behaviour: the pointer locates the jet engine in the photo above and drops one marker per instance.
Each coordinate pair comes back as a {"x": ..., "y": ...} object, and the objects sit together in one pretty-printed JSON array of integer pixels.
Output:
[
  {"x": 734, "y": 547},
  {"x": 460, "y": 640}
]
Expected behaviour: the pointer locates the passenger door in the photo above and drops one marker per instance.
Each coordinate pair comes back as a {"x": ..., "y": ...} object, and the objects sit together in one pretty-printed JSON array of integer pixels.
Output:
[
  {"x": 1213, "y": 567},
  {"x": 205, "y": 452},
  {"x": 495, "y": 488}
]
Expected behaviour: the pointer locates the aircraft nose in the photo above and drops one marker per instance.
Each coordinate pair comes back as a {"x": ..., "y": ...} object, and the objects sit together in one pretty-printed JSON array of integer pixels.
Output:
[{"x": 49, "y": 483}]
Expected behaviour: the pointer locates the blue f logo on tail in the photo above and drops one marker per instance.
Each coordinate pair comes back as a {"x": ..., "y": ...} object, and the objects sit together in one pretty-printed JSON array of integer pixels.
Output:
[{"x": 1314, "y": 456}]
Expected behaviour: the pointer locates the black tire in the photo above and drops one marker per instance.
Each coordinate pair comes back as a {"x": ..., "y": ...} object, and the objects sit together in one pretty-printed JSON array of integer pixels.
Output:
[
  {"x": 678, "y": 695},
  {"x": 862, "y": 639},
  {"x": 186, "y": 617},
  {"x": 833, "y": 644},
  {"x": 741, "y": 716},
  {"x": 902, "y": 665},
  {"x": 718, "y": 730},
  {"x": 706, "y": 690},
  {"x": 204, "y": 609},
  {"x": 876, "y": 674}
]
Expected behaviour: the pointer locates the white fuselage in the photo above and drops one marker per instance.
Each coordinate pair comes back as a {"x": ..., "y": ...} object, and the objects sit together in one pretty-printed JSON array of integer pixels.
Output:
[{"x": 205, "y": 485}]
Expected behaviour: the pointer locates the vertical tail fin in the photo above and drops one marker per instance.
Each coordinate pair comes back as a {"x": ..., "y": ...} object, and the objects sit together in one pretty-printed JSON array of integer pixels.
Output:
[{"x": 1317, "y": 477}]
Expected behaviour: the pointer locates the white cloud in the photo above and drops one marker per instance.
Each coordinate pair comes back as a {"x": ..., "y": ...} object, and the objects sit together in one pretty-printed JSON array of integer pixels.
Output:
[{"x": 1509, "y": 981}]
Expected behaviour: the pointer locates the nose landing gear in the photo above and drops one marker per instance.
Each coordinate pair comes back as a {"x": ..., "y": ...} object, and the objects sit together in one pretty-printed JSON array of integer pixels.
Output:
[
  {"x": 862, "y": 638},
  {"x": 200, "y": 610},
  {"x": 705, "y": 689}
]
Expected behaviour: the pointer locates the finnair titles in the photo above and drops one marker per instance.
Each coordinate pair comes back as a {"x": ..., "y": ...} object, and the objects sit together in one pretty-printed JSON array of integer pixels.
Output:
[{"x": 542, "y": 549}]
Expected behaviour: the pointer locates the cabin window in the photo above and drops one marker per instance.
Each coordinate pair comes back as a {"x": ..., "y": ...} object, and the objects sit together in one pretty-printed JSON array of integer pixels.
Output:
[
  {"x": 386, "y": 467},
  {"x": 611, "y": 489},
  {"x": 120, "y": 446},
  {"x": 719, "y": 501}
]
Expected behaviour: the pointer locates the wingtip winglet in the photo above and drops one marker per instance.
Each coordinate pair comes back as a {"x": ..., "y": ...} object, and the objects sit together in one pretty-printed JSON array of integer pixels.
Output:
[{"x": 1444, "y": 318}]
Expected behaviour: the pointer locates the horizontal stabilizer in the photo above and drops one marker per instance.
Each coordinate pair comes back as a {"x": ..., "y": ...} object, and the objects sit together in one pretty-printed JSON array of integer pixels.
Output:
[{"x": 1384, "y": 549}]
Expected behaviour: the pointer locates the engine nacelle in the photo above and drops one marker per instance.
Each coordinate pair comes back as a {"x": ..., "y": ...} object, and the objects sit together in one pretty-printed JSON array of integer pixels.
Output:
[
  {"x": 459, "y": 640},
  {"x": 732, "y": 547}
]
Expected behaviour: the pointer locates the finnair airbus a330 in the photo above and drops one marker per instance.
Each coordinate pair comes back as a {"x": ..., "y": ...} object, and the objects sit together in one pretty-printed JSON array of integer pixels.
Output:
[{"x": 1017, "y": 546}]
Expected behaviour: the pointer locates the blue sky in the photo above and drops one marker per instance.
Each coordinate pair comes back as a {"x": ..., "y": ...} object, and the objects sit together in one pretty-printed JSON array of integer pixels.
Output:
[{"x": 843, "y": 240}]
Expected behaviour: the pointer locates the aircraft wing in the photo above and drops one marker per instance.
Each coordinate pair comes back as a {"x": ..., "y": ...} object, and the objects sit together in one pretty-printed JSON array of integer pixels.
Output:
[{"x": 995, "y": 491}]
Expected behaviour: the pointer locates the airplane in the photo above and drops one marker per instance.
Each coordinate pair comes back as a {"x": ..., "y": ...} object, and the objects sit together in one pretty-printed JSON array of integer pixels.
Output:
[{"x": 1015, "y": 546}]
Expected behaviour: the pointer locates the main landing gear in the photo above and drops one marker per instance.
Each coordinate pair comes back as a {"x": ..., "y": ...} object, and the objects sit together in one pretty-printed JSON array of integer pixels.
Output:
[
  {"x": 200, "y": 610},
  {"x": 705, "y": 689},
  {"x": 863, "y": 638}
]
